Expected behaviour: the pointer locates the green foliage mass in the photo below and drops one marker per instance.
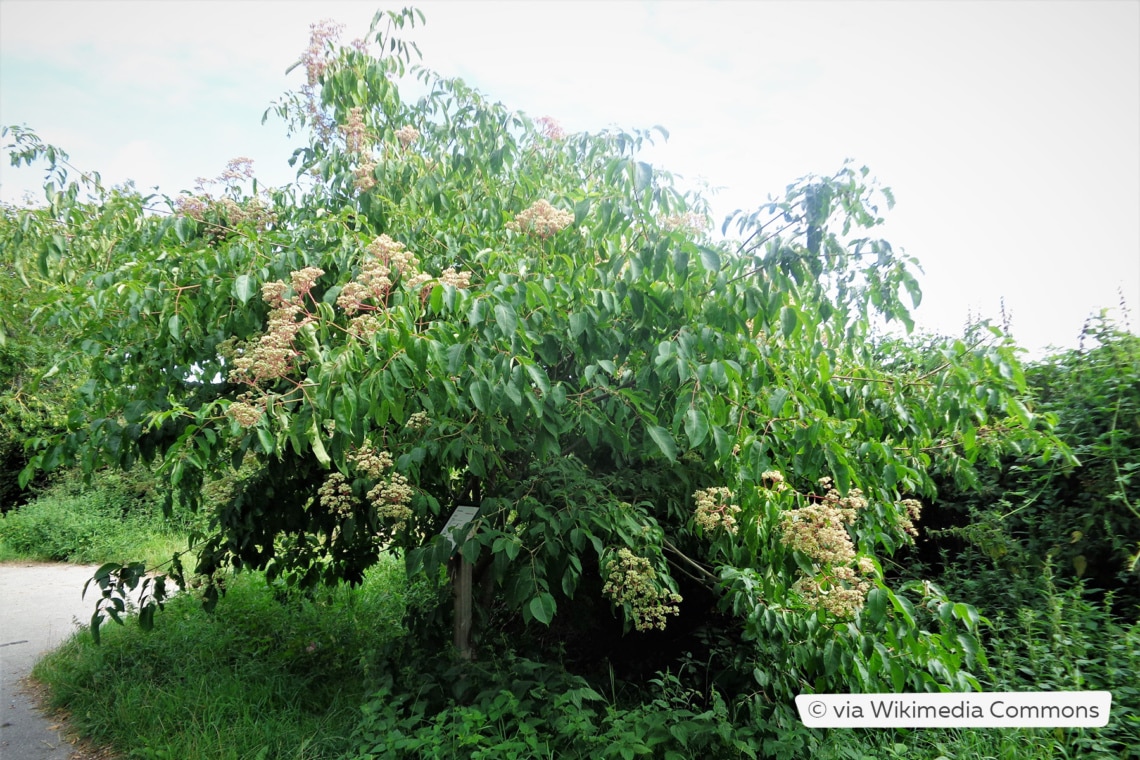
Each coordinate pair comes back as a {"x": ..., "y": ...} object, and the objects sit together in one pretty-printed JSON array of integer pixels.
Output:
[
  {"x": 456, "y": 304},
  {"x": 1082, "y": 517}
]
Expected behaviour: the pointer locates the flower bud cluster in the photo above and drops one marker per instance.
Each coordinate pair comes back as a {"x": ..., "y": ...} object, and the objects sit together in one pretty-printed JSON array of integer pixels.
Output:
[
  {"x": 273, "y": 355},
  {"x": 246, "y": 415},
  {"x": 418, "y": 421},
  {"x": 335, "y": 495},
  {"x": 631, "y": 580},
  {"x": 715, "y": 509},
  {"x": 913, "y": 509},
  {"x": 541, "y": 220},
  {"x": 371, "y": 462},
  {"x": 840, "y": 591}
]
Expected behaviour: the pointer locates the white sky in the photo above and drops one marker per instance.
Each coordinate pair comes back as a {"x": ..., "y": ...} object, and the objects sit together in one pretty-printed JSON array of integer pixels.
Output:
[{"x": 1009, "y": 131}]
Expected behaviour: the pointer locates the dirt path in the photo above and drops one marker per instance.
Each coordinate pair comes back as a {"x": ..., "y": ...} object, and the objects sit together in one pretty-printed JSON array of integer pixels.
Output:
[{"x": 40, "y": 606}]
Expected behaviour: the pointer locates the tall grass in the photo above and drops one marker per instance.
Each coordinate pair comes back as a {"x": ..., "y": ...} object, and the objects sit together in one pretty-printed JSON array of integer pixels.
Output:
[{"x": 270, "y": 674}]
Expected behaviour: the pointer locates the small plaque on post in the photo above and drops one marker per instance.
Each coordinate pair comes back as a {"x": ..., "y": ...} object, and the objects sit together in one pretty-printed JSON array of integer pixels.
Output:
[{"x": 459, "y": 518}]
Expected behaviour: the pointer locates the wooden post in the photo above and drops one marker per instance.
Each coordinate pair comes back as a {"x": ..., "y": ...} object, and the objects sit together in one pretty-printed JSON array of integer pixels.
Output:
[
  {"x": 461, "y": 577},
  {"x": 463, "y": 607}
]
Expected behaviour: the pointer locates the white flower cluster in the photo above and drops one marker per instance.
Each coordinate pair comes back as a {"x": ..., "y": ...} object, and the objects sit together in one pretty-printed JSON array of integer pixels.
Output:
[
  {"x": 335, "y": 495},
  {"x": 690, "y": 222},
  {"x": 371, "y": 462},
  {"x": 455, "y": 279},
  {"x": 840, "y": 591},
  {"x": 392, "y": 494},
  {"x": 819, "y": 530},
  {"x": 715, "y": 510},
  {"x": 631, "y": 580},
  {"x": 245, "y": 414},
  {"x": 391, "y": 498}
]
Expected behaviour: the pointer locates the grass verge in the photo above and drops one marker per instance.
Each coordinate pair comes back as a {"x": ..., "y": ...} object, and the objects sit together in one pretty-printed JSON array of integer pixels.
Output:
[{"x": 270, "y": 674}]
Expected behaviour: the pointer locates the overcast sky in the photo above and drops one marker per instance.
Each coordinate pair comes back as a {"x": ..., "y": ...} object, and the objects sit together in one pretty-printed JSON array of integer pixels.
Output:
[{"x": 1009, "y": 131}]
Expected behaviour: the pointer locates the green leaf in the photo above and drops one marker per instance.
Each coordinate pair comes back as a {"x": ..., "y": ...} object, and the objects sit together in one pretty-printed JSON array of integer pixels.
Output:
[
  {"x": 542, "y": 608},
  {"x": 696, "y": 426},
  {"x": 644, "y": 176},
  {"x": 480, "y": 395},
  {"x": 318, "y": 444},
  {"x": 243, "y": 289},
  {"x": 789, "y": 320},
  {"x": 710, "y": 259},
  {"x": 664, "y": 441},
  {"x": 776, "y": 401},
  {"x": 505, "y": 316}
]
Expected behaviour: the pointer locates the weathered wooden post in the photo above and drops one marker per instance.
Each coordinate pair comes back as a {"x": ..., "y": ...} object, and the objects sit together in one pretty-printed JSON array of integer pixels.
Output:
[{"x": 461, "y": 579}]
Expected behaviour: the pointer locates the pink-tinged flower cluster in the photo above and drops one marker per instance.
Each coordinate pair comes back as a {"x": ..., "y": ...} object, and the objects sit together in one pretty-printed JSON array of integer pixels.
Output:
[
  {"x": 316, "y": 56},
  {"x": 232, "y": 212},
  {"x": 541, "y": 220},
  {"x": 387, "y": 262},
  {"x": 715, "y": 510},
  {"x": 407, "y": 135},
  {"x": 551, "y": 129},
  {"x": 274, "y": 354},
  {"x": 691, "y": 222},
  {"x": 631, "y": 580},
  {"x": 193, "y": 206},
  {"x": 364, "y": 175},
  {"x": 237, "y": 170},
  {"x": 354, "y": 131}
]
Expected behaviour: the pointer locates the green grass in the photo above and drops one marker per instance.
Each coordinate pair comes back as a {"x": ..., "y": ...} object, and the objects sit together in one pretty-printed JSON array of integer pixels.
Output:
[
  {"x": 115, "y": 518},
  {"x": 269, "y": 675}
]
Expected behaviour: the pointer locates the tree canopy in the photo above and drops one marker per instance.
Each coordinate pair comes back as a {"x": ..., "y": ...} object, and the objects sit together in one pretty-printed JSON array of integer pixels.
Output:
[{"x": 456, "y": 303}]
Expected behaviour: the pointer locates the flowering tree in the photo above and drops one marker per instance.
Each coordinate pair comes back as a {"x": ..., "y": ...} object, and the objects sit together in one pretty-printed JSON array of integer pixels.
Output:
[{"x": 456, "y": 304}]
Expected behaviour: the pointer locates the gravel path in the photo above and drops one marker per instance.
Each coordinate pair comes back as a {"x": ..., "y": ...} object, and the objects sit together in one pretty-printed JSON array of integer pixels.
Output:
[{"x": 41, "y": 604}]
